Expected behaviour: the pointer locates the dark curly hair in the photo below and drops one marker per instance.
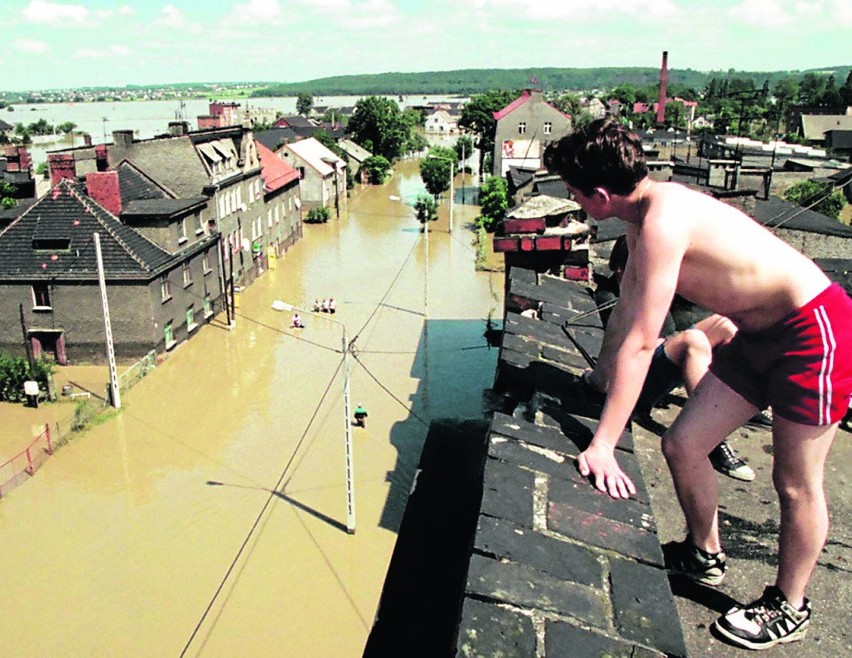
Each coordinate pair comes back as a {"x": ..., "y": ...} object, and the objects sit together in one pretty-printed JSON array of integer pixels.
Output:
[{"x": 602, "y": 153}]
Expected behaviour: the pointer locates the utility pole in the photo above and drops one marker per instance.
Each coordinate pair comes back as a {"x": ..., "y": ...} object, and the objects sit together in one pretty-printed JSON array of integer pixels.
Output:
[{"x": 114, "y": 394}]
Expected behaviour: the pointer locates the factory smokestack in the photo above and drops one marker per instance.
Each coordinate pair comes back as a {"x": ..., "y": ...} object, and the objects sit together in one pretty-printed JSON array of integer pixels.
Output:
[{"x": 664, "y": 78}]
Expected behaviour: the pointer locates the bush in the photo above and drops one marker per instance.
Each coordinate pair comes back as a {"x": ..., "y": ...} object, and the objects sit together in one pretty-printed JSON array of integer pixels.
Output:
[
  {"x": 493, "y": 202},
  {"x": 318, "y": 215},
  {"x": 377, "y": 168},
  {"x": 15, "y": 370}
]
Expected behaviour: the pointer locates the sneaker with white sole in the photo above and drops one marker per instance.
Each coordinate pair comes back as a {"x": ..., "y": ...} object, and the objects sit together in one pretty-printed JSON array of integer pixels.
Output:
[
  {"x": 726, "y": 461},
  {"x": 764, "y": 623},
  {"x": 686, "y": 559}
]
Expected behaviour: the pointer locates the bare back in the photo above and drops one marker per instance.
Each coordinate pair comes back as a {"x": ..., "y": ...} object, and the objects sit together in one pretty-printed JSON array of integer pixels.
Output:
[{"x": 730, "y": 264}]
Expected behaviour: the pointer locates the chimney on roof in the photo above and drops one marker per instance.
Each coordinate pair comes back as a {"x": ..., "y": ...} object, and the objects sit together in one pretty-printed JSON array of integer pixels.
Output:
[
  {"x": 101, "y": 157},
  {"x": 122, "y": 137},
  {"x": 664, "y": 78},
  {"x": 61, "y": 166},
  {"x": 178, "y": 128},
  {"x": 102, "y": 187}
]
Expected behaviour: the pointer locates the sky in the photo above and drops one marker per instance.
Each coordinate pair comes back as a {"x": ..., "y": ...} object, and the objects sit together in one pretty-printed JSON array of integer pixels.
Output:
[{"x": 54, "y": 45}]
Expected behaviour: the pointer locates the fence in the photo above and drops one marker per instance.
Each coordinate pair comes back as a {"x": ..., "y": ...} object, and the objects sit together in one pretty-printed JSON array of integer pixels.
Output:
[
  {"x": 17, "y": 469},
  {"x": 137, "y": 371}
]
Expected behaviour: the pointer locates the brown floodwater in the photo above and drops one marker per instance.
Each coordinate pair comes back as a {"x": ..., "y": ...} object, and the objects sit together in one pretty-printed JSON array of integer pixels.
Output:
[{"x": 208, "y": 518}]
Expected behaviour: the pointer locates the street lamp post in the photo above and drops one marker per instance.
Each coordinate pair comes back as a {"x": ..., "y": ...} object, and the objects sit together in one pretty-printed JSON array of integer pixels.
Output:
[{"x": 347, "y": 422}]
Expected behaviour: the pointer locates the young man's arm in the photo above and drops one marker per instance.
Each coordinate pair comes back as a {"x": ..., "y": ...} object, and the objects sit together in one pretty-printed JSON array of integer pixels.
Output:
[{"x": 648, "y": 288}]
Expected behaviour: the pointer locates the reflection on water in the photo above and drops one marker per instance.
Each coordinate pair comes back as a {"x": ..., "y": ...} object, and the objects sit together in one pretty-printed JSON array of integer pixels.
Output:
[{"x": 234, "y": 447}]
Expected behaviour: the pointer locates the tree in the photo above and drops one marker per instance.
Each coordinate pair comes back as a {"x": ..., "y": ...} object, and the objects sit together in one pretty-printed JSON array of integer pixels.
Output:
[
  {"x": 478, "y": 117},
  {"x": 435, "y": 169},
  {"x": 426, "y": 209},
  {"x": 304, "y": 103},
  {"x": 7, "y": 195},
  {"x": 377, "y": 168},
  {"x": 379, "y": 126},
  {"x": 464, "y": 148},
  {"x": 819, "y": 197},
  {"x": 66, "y": 127},
  {"x": 493, "y": 202}
]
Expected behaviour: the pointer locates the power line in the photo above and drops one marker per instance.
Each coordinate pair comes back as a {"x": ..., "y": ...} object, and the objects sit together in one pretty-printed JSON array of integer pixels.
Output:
[{"x": 272, "y": 495}]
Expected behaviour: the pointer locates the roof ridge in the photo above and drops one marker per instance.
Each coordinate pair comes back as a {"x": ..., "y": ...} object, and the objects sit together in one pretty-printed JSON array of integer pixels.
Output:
[{"x": 97, "y": 211}]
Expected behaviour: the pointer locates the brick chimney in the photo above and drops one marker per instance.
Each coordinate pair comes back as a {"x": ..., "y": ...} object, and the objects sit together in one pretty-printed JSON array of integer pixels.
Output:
[
  {"x": 101, "y": 157},
  {"x": 61, "y": 166},
  {"x": 102, "y": 187}
]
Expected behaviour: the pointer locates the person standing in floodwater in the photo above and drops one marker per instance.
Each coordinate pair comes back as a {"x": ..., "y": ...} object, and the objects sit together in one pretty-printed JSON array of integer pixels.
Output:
[{"x": 360, "y": 416}]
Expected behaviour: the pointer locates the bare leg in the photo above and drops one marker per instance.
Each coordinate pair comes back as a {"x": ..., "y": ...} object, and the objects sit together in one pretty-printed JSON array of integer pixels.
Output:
[
  {"x": 711, "y": 414},
  {"x": 690, "y": 350},
  {"x": 797, "y": 472}
]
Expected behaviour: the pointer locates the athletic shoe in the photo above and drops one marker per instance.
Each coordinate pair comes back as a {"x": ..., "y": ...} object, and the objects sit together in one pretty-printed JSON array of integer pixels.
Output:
[
  {"x": 764, "y": 623},
  {"x": 686, "y": 559},
  {"x": 725, "y": 460},
  {"x": 761, "y": 418}
]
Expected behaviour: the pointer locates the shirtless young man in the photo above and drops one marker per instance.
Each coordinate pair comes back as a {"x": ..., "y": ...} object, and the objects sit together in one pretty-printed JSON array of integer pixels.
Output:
[{"x": 793, "y": 350}]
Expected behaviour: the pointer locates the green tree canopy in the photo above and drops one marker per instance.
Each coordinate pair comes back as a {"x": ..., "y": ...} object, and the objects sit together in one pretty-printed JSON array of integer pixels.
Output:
[
  {"x": 426, "y": 209},
  {"x": 819, "y": 197},
  {"x": 435, "y": 169},
  {"x": 463, "y": 147},
  {"x": 377, "y": 168},
  {"x": 379, "y": 126},
  {"x": 7, "y": 198},
  {"x": 493, "y": 202},
  {"x": 304, "y": 103}
]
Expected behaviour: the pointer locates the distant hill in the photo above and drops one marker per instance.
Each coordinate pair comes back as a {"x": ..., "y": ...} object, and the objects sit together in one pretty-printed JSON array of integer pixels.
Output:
[{"x": 474, "y": 81}]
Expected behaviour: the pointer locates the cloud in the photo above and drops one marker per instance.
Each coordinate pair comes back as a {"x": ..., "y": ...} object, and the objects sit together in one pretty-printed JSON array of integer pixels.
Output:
[
  {"x": 170, "y": 17},
  {"x": 587, "y": 11},
  {"x": 767, "y": 13},
  {"x": 112, "y": 51},
  {"x": 30, "y": 46},
  {"x": 54, "y": 13},
  {"x": 254, "y": 11}
]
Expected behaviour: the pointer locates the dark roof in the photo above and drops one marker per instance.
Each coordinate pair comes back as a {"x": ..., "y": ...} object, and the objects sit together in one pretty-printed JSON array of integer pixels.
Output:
[
  {"x": 135, "y": 185},
  {"x": 551, "y": 186},
  {"x": 5, "y": 127},
  {"x": 298, "y": 121},
  {"x": 519, "y": 176},
  {"x": 838, "y": 270},
  {"x": 53, "y": 239},
  {"x": 172, "y": 162},
  {"x": 149, "y": 207},
  {"x": 275, "y": 137},
  {"x": 774, "y": 212}
]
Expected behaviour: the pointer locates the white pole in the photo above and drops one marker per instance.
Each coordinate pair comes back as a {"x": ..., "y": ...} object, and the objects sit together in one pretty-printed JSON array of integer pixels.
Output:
[
  {"x": 347, "y": 424},
  {"x": 114, "y": 394},
  {"x": 452, "y": 193}
]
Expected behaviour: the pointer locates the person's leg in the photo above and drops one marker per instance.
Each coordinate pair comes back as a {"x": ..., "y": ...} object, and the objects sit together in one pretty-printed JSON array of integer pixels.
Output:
[
  {"x": 797, "y": 472},
  {"x": 690, "y": 350},
  {"x": 710, "y": 414}
]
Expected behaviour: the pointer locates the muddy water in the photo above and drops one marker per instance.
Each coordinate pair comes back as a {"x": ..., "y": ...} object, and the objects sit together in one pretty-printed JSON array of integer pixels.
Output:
[{"x": 120, "y": 542}]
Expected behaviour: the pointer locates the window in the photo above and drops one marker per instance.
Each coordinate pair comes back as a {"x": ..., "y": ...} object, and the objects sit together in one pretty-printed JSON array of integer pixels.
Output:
[
  {"x": 239, "y": 197},
  {"x": 41, "y": 296},
  {"x": 165, "y": 289},
  {"x": 522, "y": 128},
  {"x": 277, "y": 214},
  {"x": 269, "y": 218},
  {"x": 182, "y": 236},
  {"x": 199, "y": 224},
  {"x": 208, "y": 306},
  {"x": 169, "y": 335},
  {"x": 190, "y": 318},
  {"x": 548, "y": 127},
  {"x": 205, "y": 262},
  {"x": 222, "y": 210},
  {"x": 187, "y": 275}
]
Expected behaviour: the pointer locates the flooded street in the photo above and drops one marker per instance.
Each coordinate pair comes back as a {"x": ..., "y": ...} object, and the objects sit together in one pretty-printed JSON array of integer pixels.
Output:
[{"x": 209, "y": 517}]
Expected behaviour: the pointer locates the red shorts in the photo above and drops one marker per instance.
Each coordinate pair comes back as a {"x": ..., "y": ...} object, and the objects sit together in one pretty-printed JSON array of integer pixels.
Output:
[{"x": 801, "y": 365}]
